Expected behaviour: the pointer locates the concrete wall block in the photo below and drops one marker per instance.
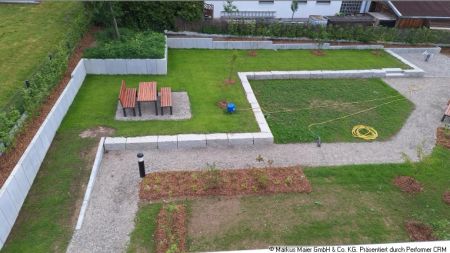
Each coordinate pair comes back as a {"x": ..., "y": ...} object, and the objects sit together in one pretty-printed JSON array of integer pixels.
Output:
[
  {"x": 142, "y": 143},
  {"x": 419, "y": 50},
  {"x": 5, "y": 228},
  {"x": 28, "y": 168},
  {"x": 252, "y": 98},
  {"x": 8, "y": 206},
  {"x": 116, "y": 67},
  {"x": 190, "y": 43},
  {"x": 115, "y": 143},
  {"x": 414, "y": 73},
  {"x": 260, "y": 119},
  {"x": 262, "y": 139},
  {"x": 240, "y": 139},
  {"x": 161, "y": 67},
  {"x": 280, "y": 74},
  {"x": 137, "y": 66},
  {"x": 16, "y": 191},
  {"x": 316, "y": 74},
  {"x": 250, "y": 75},
  {"x": 217, "y": 140},
  {"x": 262, "y": 75},
  {"x": 167, "y": 142},
  {"x": 191, "y": 141},
  {"x": 299, "y": 74},
  {"x": 95, "y": 66}
]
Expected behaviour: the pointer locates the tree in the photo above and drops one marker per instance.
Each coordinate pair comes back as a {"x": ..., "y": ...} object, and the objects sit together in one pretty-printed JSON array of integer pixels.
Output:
[
  {"x": 294, "y": 7},
  {"x": 106, "y": 13},
  {"x": 230, "y": 7}
]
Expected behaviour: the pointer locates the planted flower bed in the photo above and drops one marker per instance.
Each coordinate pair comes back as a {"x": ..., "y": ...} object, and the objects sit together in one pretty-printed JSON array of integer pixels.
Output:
[{"x": 166, "y": 185}]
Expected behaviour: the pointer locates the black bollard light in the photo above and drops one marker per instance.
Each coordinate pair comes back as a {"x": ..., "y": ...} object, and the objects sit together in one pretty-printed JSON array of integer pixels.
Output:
[
  {"x": 140, "y": 157},
  {"x": 319, "y": 142},
  {"x": 27, "y": 84}
]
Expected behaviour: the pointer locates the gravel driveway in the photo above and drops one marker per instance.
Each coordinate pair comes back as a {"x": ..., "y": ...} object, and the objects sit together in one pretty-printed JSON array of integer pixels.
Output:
[{"x": 114, "y": 201}]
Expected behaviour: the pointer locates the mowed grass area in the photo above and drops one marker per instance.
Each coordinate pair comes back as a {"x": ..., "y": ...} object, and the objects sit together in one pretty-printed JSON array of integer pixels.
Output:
[
  {"x": 301, "y": 110},
  {"x": 28, "y": 33},
  {"x": 202, "y": 73},
  {"x": 348, "y": 205}
]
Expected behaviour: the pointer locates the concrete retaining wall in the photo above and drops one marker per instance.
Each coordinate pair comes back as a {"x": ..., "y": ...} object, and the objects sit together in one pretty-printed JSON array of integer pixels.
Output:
[
  {"x": 433, "y": 50},
  {"x": 209, "y": 43},
  {"x": 16, "y": 187},
  {"x": 127, "y": 66}
]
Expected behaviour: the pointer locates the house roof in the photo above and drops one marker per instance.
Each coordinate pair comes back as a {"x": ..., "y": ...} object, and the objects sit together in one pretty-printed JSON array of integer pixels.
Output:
[{"x": 431, "y": 9}]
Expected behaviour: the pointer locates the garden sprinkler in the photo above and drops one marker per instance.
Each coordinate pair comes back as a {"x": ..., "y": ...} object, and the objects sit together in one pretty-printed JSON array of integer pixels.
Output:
[{"x": 231, "y": 107}]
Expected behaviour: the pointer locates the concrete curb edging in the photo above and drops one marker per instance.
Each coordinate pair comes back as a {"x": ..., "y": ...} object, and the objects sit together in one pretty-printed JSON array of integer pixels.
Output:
[
  {"x": 128, "y": 66},
  {"x": 15, "y": 189},
  {"x": 90, "y": 186}
]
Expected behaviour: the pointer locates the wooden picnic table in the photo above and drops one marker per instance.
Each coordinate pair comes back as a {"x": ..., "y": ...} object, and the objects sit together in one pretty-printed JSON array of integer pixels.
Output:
[{"x": 147, "y": 93}]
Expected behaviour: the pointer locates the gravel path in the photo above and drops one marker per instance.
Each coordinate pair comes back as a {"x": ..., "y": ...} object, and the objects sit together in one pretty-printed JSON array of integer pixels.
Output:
[{"x": 114, "y": 201}]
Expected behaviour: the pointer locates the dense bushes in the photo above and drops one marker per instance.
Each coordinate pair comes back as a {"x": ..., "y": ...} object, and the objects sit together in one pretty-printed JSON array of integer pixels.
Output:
[
  {"x": 351, "y": 33},
  {"x": 132, "y": 45},
  {"x": 156, "y": 16},
  {"x": 44, "y": 78}
]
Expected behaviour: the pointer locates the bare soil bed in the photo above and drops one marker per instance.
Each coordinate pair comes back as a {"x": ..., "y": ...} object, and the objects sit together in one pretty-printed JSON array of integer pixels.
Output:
[
  {"x": 9, "y": 159},
  {"x": 446, "y": 197},
  {"x": 418, "y": 231},
  {"x": 408, "y": 184},
  {"x": 213, "y": 182},
  {"x": 443, "y": 137},
  {"x": 170, "y": 232}
]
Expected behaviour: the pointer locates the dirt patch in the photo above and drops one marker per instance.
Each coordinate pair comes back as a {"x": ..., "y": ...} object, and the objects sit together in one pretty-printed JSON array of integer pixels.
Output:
[
  {"x": 377, "y": 52},
  {"x": 222, "y": 104},
  {"x": 446, "y": 197},
  {"x": 408, "y": 184},
  {"x": 443, "y": 137},
  {"x": 9, "y": 159},
  {"x": 229, "y": 81},
  {"x": 331, "y": 104},
  {"x": 252, "y": 53},
  {"x": 97, "y": 132},
  {"x": 213, "y": 182},
  {"x": 318, "y": 52},
  {"x": 418, "y": 231},
  {"x": 210, "y": 216},
  {"x": 170, "y": 232}
]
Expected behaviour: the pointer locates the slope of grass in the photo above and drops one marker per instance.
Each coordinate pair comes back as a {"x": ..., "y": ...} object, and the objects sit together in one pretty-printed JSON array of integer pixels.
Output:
[
  {"x": 28, "y": 33},
  {"x": 292, "y": 106},
  {"x": 348, "y": 205},
  {"x": 202, "y": 73}
]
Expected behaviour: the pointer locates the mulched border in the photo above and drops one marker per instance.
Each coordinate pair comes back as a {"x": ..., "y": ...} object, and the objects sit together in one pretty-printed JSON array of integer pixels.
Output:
[
  {"x": 408, "y": 184},
  {"x": 171, "y": 229},
  {"x": 9, "y": 159},
  {"x": 443, "y": 137},
  {"x": 446, "y": 197},
  {"x": 213, "y": 182},
  {"x": 417, "y": 231}
]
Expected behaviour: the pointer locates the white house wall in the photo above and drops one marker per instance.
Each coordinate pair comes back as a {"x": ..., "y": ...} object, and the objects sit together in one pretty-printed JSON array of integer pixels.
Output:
[{"x": 283, "y": 8}]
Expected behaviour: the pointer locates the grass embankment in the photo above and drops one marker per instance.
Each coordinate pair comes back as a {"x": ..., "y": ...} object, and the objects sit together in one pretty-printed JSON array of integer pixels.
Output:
[
  {"x": 348, "y": 205},
  {"x": 202, "y": 73},
  {"x": 28, "y": 33},
  {"x": 301, "y": 110}
]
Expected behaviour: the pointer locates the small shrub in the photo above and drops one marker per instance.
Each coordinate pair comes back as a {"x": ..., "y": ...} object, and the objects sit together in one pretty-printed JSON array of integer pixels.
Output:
[
  {"x": 289, "y": 180},
  {"x": 212, "y": 178},
  {"x": 261, "y": 178},
  {"x": 132, "y": 45}
]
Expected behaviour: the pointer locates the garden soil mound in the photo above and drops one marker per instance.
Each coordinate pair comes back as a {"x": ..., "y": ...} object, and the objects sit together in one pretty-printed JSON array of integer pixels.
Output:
[
  {"x": 418, "y": 231},
  {"x": 446, "y": 197},
  {"x": 176, "y": 184},
  {"x": 408, "y": 184}
]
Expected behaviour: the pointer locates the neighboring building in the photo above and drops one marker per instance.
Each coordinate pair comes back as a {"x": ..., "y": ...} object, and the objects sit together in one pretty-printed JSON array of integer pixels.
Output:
[
  {"x": 412, "y": 14},
  {"x": 282, "y": 9}
]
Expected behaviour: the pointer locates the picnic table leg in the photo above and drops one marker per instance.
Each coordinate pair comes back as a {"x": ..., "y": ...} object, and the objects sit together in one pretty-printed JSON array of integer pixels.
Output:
[
  {"x": 134, "y": 111},
  {"x": 156, "y": 107},
  {"x": 162, "y": 111},
  {"x": 171, "y": 110},
  {"x": 139, "y": 106},
  {"x": 124, "y": 112},
  {"x": 443, "y": 118}
]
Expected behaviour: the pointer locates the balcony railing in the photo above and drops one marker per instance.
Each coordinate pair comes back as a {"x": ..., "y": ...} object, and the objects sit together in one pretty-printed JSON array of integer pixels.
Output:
[{"x": 248, "y": 14}]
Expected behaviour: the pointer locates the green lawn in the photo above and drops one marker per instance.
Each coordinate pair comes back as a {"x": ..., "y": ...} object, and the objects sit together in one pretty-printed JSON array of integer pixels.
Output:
[
  {"x": 202, "y": 73},
  {"x": 47, "y": 219},
  {"x": 291, "y": 106},
  {"x": 348, "y": 205},
  {"x": 28, "y": 33}
]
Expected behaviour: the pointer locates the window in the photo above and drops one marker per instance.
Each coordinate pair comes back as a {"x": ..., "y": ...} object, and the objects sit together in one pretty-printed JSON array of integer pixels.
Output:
[
  {"x": 266, "y": 1},
  {"x": 323, "y": 1}
]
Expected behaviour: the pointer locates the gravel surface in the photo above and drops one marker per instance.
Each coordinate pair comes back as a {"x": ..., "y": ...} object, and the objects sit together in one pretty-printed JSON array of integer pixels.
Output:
[
  {"x": 181, "y": 110},
  {"x": 437, "y": 66},
  {"x": 114, "y": 201}
]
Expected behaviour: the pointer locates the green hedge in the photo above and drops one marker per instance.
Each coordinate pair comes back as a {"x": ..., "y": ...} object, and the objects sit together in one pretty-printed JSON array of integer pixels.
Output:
[
  {"x": 132, "y": 45},
  {"x": 44, "y": 78},
  {"x": 350, "y": 33}
]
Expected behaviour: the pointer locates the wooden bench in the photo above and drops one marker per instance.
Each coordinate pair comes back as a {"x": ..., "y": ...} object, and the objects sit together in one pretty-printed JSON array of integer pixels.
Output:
[
  {"x": 446, "y": 112},
  {"x": 166, "y": 99},
  {"x": 147, "y": 93},
  {"x": 127, "y": 98}
]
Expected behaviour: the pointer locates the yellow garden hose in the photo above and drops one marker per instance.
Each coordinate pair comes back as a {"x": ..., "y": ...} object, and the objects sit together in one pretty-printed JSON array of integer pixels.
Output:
[{"x": 364, "y": 132}]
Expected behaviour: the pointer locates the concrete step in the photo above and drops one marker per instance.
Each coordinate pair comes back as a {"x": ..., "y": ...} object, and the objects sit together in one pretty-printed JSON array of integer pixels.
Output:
[
  {"x": 395, "y": 75},
  {"x": 393, "y": 70}
]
